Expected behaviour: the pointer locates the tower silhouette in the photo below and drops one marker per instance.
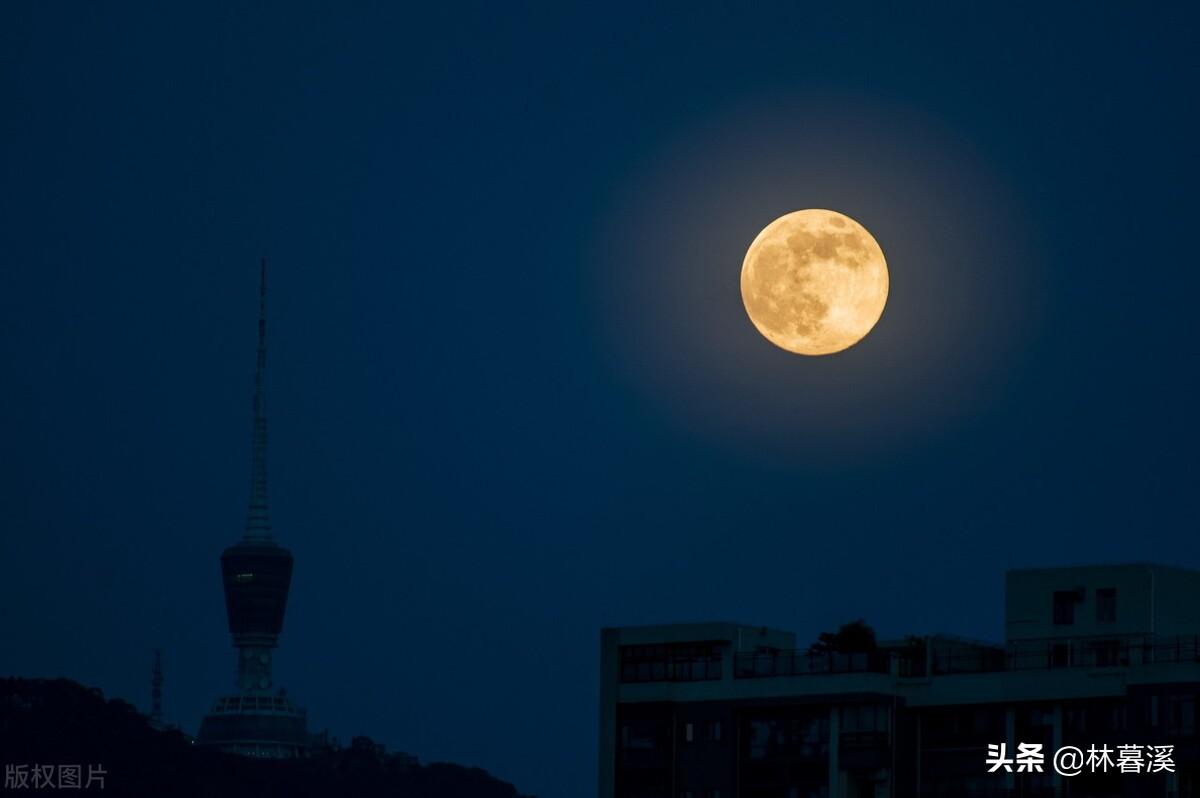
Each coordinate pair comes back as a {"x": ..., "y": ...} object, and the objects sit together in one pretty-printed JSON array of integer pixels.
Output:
[
  {"x": 156, "y": 685},
  {"x": 256, "y": 572}
]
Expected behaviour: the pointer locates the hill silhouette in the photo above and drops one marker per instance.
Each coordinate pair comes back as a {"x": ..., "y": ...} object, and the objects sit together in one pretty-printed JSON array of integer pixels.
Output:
[{"x": 60, "y": 722}]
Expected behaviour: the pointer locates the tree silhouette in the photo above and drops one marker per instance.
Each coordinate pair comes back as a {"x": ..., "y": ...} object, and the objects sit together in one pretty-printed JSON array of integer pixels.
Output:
[
  {"x": 57, "y": 721},
  {"x": 855, "y": 637}
]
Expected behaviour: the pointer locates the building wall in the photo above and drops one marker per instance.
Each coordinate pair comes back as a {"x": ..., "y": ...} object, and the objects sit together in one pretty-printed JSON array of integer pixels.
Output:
[
  {"x": 1029, "y": 601},
  {"x": 1150, "y": 599},
  {"x": 793, "y": 748},
  {"x": 898, "y": 731},
  {"x": 609, "y": 697},
  {"x": 1177, "y": 602}
]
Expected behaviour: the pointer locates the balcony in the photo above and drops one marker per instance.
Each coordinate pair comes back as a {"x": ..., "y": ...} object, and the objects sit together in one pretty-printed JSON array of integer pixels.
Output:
[
  {"x": 1025, "y": 655},
  {"x": 1079, "y": 652},
  {"x": 768, "y": 664}
]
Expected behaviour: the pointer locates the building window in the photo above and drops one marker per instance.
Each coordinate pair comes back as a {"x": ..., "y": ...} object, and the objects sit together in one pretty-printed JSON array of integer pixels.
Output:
[
  {"x": 714, "y": 731},
  {"x": 1106, "y": 605},
  {"x": 675, "y": 662},
  {"x": 688, "y": 732},
  {"x": 639, "y": 736},
  {"x": 791, "y": 738},
  {"x": 1182, "y": 715},
  {"x": 1107, "y": 653},
  {"x": 1064, "y": 607}
]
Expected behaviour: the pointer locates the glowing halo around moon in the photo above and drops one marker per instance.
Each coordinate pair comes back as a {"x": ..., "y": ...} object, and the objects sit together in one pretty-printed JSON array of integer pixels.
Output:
[{"x": 814, "y": 282}]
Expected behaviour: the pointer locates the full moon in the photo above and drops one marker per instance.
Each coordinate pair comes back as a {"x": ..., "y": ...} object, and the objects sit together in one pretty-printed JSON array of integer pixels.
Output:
[{"x": 814, "y": 282}]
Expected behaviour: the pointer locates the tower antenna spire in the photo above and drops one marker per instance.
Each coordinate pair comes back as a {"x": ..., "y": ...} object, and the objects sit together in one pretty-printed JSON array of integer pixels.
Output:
[
  {"x": 258, "y": 524},
  {"x": 156, "y": 685}
]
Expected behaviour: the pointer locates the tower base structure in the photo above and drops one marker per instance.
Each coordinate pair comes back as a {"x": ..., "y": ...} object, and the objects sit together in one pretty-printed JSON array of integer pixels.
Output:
[{"x": 258, "y": 725}]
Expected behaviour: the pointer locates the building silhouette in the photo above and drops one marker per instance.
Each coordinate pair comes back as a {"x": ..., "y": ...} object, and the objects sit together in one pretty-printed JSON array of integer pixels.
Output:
[
  {"x": 257, "y": 720},
  {"x": 1093, "y": 656}
]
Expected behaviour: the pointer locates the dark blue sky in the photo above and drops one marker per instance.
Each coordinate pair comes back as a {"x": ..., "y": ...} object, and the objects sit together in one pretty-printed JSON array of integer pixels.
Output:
[{"x": 512, "y": 391}]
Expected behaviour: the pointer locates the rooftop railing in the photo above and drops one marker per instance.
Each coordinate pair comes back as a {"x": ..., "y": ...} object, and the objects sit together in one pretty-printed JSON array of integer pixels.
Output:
[
  {"x": 1080, "y": 652},
  {"x": 765, "y": 664},
  {"x": 1042, "y": 654}
]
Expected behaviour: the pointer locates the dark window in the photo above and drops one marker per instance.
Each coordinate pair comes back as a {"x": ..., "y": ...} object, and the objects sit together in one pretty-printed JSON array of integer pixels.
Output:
[
  {"x": 1060, "y": 655},
  {"x": 1182, "y": 715},
  {"x": 955, "y": 727},
  {"x": 1064, "y": 607},
  {"x": 677, "y": 662},
  {"x": 639, "y": 735},
  {"x": 787, "y": 738},
  {"x": 1106, "y": 605},
  {"x": 864, "y": 718},
  {"x": 714, "y": 730},
  {"x": 1107, "y": 653}
]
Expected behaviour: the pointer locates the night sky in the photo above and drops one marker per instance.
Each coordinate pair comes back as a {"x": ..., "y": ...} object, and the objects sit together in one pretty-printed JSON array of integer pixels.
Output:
[{"x": 513, "y": 393}]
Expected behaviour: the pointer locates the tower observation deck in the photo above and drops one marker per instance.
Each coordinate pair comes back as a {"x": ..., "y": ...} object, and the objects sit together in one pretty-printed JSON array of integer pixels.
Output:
[{"x": 256, "y": 572}]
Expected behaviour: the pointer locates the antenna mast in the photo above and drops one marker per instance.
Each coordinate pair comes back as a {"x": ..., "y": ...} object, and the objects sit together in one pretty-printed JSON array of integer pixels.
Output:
[
  {"x": 156, "y": 685},
  {"x": 258, "y": 525}
]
